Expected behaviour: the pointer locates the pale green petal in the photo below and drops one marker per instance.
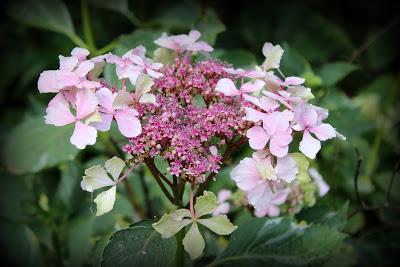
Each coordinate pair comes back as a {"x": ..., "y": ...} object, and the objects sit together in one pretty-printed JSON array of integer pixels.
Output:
[
  {"x": 114, "y": 166},
  {"x": 122, "y": 99},
  {"x": 167, "y": 226},
  {"x": 148, "y": 98},
  {"x": 219, "y": 224},
  {"x": 143, "y": 84},
  {"x": 96, "y": 177},
  {"x": 164, "y": 56},
  {"x": 105, "y": 201},
  {"x": 301, "y": 91},
  {"x": 274, "y": 58},
  {"x": 302, "y": 163},
  {"x": 94, "y": 117},
  {"x": 194, "y": 242},
  {"x": 178, "y": 215},
  {"x": 205, "y": 204}
]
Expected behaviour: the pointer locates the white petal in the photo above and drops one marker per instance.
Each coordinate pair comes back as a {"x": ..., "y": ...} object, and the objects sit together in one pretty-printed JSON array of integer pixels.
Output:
[
  {"x": 105, "y": 201},
  {"x": 114, "y": 166}
]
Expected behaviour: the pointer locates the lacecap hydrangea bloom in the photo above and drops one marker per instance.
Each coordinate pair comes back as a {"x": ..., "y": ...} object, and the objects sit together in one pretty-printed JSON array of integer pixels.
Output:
[{"x": 192, "y": 112}]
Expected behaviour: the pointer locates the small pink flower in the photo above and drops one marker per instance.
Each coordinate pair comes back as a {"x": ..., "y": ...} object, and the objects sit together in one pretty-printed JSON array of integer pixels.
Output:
[
  {"x": 58, "y": 113},
  {"x": 276, "y": 130},
  {"x": 133, "y": 63},
  {"x": 267, "y": 202},
  {"x": 264, "y": 103},
  {"x": 228, "y": 87},
  {"x": 223, "y": 204},
  {"x": 308, "y": 118},
  {"x": 73, "y": 72},
  {"x": 183, "y": 42},
  {"x": 126, "y": 118},
  {"x": 245, "y": 73},
  {"x": 263, "y": 183}
]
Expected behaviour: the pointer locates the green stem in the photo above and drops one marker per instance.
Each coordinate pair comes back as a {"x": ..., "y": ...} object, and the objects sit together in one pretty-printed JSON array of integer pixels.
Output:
[
  {"x": 179, "y": 256},
  {"x": 107, "y": 48},
  {"x": 77, "y": 40},
  {"x": 87, "y": 29}
]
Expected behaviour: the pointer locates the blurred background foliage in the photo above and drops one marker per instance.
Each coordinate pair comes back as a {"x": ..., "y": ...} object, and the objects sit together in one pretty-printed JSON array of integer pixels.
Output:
[{"x": 349, "y": 55}]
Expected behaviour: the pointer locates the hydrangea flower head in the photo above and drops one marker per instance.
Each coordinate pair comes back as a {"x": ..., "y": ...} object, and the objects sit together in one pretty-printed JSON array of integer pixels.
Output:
[{"x": 192, "y": 113}]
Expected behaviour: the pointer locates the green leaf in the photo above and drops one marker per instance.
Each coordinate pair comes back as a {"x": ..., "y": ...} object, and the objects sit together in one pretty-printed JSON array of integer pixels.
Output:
[
  {"x": 179, "y": 17},
  {"x": 205, "y": 204},
  {"x": 19, "y": 245},
  {"x": 139, "y": 245},
  {"x": 210, "y": 26},
  {"x": 78, "y": 242},
  {"x": 279, "y": 242},
  {"x": 292, "y": 62},
  {"x": 71, "y": 174},
  {"x": 325, "y": 215},
  {"x": 238, "y": 58},
  {"x": 120, "y": 6},
  {"x": 138, "y": 37},
  {"x": 51, "y": 15},
  {"x": 33, "y": 146},
  {"x": 332, "y": 73}
]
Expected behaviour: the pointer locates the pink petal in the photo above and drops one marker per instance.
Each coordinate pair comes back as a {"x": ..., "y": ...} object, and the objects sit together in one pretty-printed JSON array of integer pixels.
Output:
[
  {"x": 84, "y": 68},
  {"x": 86, "y": 103},
  {"x": 58, "y": 112},
  {"x": 323, "y": 187},
  {"x": 273, "y": 211},
  {"x": 80, "y": 53},
  {"x": 254, "y": 115},
  {"x": 137, "y": 60},
  {"x": 286, "y": 169},
  {"x": 83, "y": 135},
  {"x": 252, "y": 87},
  {"x": 268, "y": 104},
  {"x": 276, "y": 122},
  {"x": 289, "y": 81},
  {"x": 52, "y": 81},
  {"x": 276, "y": 148},
  {"x": 258, "y": 138},
  {"x": 246, "y": 174},
  {"x": 309, "y": 146},
  {"x": 106, "y": 99},
  {"x": 165, "y": 41},
  {"x": 153, "y": 73},
  {"x": 280, "y": 196},
  {"x": 194, "y": 35},
  {"x": 200, "y": 46},
  {"x": 266, "y": 50},
  {"x": 113, "y": 59},
  {"x": 227, "y": 87},
  {"x": 324, "y": 131},
  {"x": 67, "y": 63},
  {"x": 260, "y": 196},
  {"x": 48, "y": 82},
  {"x": 139, "y": 51},
  {"x": 105, "y": 123},
  {"x": 223, "y": 208},
  {"x": 224, "y": 195},
  {"x": 128, "y": 124}
]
